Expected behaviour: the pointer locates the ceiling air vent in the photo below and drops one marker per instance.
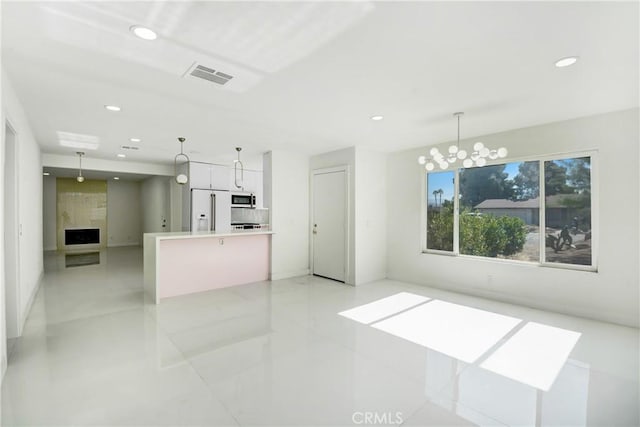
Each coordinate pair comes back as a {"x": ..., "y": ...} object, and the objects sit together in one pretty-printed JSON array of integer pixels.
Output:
[
  {"x": 210, "y": 74},
  {"x": 129, "y": 147}
]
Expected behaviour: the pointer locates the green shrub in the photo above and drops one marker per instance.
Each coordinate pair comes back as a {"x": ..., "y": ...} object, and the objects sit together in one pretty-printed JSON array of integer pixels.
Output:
[
  {"x": 440, "y": 229},
  {"x": 480, "y": 235},
  {"x": 490, "y": 236}
]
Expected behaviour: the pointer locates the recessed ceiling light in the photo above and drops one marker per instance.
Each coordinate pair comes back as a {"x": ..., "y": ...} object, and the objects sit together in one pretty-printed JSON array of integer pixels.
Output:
[
  {"x": 116, "y": 178},
  {"x": 122, "y": 155},
  {"x": 565, "y": 62},
  {"x": 135, "y": 140},
  {"x": 46, "y": 173},
  {"x": 143, "y": 32},
  {"x": 112, "y": 107},
  {"x": 377, "y": 118}
]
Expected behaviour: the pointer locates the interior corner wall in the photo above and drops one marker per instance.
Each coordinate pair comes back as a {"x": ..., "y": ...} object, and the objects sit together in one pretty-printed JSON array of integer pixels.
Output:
[
  {"x": 331, "y": 159},
  {"x": 611, "y": 294},
  {"x": 124, "y": 213},
  {"x": 29, "y": 201},
  {"x": 370, "y": 216},
  {"x": 156, "y": 204},
  {"x": 286, "y": 195}
]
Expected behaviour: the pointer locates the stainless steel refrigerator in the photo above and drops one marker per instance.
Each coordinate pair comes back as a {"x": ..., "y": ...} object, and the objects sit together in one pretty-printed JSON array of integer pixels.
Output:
[{"x": 210, "y": 210}]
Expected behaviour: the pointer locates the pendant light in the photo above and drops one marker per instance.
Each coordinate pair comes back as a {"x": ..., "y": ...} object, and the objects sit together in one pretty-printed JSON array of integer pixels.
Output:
[
  {"x": 80, "y": 178},
  {"x": 235, "y": 171},
  {"x": 478, "y": 156},
  {"x": 181, "y": 178}
]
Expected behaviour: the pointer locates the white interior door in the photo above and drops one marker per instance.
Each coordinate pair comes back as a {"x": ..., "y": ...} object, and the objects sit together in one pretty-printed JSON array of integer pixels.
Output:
[{"x": 329, "y": 225}]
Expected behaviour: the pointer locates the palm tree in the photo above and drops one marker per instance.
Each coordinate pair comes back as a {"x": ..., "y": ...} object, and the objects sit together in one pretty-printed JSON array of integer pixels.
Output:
[{"x": 436, "y": 193}]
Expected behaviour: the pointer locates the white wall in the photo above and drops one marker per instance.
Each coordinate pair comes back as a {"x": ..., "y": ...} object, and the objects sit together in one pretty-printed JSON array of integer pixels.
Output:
[
  {"x": 124, "y": 213},
  {"x": 343, "y": 157},
  {"x": 3, "y": 326},
  {"x": 156, "y": 202},
  {"x": 286, "y": 195},
  {"x": 49, "y": 213},
  {"x": 611, "y": 294},
  {"x": 29, "y": 204},
  {"x": 370, "y": 216}
]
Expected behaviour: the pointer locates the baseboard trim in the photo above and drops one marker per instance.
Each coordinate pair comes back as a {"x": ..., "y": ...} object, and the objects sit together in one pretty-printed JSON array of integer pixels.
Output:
[
  {"x": 288, "y": 274},
  {"x": 32, "y": 298}
]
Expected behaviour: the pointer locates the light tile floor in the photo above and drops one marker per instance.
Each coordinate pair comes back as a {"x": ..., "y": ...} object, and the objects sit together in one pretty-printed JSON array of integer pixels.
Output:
[{"x": 277, "y": 353}]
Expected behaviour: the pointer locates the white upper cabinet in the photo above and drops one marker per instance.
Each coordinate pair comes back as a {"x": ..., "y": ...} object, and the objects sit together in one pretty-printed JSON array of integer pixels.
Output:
[
  {"x": 208, "y": 176},
  {"x": 199, "y": 175},
  {"x": 252, "y": 182},
  {"x": 219, "y": 177}
]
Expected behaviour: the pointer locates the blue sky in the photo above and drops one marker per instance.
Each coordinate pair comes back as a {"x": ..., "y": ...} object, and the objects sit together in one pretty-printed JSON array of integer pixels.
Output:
[
  {"x": 512, "y": 169},
  {"x": 440, "y": 180},
  {"x": 444, "y": 180}
]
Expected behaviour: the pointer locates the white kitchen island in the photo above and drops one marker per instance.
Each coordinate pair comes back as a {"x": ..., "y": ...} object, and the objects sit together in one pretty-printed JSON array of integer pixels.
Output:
[{"x": 188, "y": 262}]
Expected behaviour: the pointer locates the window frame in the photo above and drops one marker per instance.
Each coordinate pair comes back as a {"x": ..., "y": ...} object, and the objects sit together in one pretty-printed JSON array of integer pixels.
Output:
[{"x": 541, "y": 262}]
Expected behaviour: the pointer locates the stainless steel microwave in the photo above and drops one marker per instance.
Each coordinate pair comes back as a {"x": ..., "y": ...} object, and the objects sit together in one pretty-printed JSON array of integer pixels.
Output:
[{"x": 243, "y": 200}]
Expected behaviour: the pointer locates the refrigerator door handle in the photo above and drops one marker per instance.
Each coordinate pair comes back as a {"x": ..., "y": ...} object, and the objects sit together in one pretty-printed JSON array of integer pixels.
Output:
[
  {"x": 213, "y": 211},
  {"x": 191, "y": 210}
]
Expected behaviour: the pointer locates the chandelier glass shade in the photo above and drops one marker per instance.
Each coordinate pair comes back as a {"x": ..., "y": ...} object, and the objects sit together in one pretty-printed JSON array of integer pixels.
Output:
[{"x": 477, "y": 157}]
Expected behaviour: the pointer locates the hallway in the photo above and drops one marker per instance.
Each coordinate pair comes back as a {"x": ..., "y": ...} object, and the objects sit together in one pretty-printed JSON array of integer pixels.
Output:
[{"x": 279, "y": 353}]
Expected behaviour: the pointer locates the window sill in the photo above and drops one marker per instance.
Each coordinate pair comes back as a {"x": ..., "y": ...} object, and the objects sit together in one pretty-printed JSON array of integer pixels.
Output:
[{"x": 577, "y": 267}]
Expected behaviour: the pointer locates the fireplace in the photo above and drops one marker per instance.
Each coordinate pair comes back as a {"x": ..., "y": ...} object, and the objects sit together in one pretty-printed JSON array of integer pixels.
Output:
[{"x": 81, "y": 236}]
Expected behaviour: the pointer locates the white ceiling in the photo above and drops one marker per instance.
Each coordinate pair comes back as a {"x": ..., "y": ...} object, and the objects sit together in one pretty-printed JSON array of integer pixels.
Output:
[{"x": 308, "y": 75}]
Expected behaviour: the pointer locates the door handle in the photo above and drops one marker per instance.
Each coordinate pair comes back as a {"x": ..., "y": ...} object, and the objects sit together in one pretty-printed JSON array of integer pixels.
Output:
[{"x": 315, "y": 228}]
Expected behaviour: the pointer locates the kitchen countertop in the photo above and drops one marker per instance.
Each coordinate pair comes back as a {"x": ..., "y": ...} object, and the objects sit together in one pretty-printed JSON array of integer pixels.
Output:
[{"x": 200, "y": 234}]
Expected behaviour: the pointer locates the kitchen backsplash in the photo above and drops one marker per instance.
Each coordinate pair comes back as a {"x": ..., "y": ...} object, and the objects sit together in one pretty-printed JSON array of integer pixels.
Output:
[{"x": 245, "y": 215}]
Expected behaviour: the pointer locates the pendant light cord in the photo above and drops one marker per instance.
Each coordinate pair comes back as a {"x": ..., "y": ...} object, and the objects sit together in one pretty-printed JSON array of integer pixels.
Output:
[{"x": 458, "y": 131}]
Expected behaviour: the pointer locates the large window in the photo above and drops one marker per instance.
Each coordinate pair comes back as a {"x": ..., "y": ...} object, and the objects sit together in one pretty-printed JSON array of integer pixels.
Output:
[
  {"x": 567, "y": 200},
  {"x": 500, "y": 212},
  {"x": 440, "y": 191}
]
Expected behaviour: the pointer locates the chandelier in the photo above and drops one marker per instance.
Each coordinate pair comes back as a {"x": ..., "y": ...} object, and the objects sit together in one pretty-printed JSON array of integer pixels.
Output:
[{"x": 478, "y": 156}]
